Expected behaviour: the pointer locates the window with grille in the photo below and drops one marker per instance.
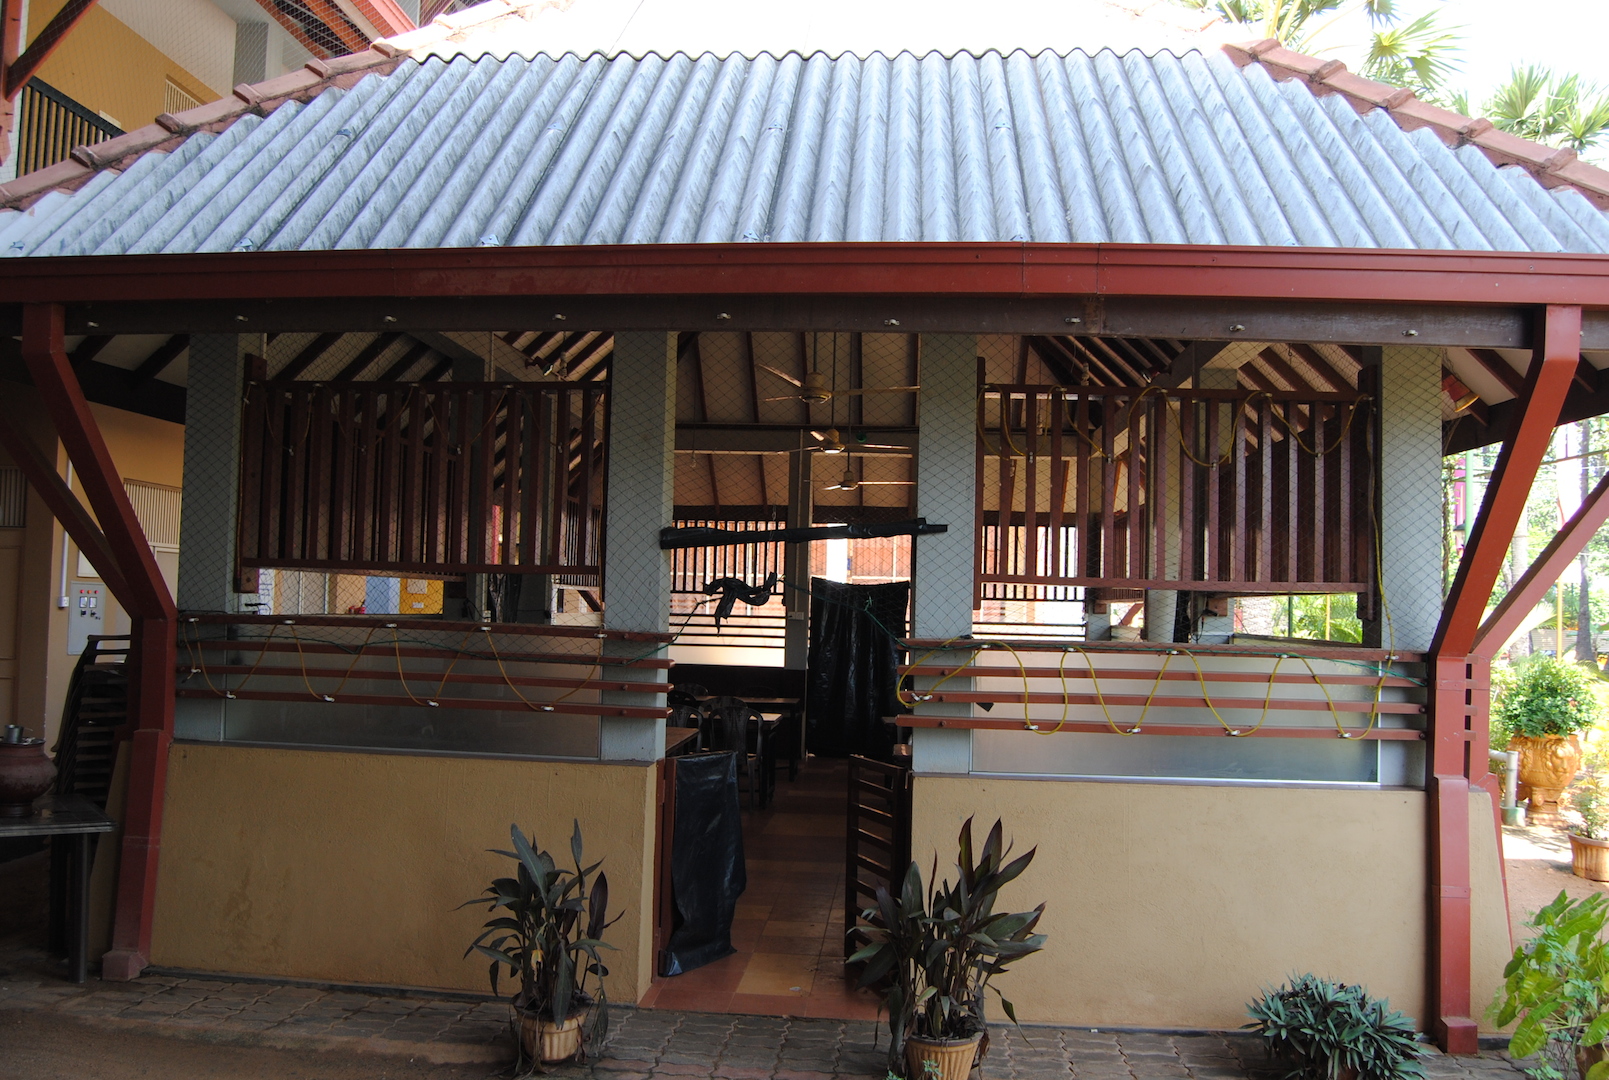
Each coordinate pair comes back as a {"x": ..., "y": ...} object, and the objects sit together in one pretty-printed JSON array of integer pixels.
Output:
[
  {"x": 175, "y": 99},
  {"x": 13, "y": 497}
]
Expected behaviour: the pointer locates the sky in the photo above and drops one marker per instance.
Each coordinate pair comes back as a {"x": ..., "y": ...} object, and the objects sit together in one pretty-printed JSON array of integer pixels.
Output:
[{"x": 1567, "y": 35}]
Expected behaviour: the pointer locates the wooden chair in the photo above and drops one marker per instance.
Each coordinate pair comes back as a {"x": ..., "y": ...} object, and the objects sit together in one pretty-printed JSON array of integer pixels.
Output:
[{"x": 732, "y": 725}]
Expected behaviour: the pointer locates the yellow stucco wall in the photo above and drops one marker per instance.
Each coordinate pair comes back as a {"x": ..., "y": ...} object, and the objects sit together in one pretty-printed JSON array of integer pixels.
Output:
[
  {"x": 109, "y": 69},
  {"x": 350, "y": 867},
  {"x": 1173, "y": 905}
]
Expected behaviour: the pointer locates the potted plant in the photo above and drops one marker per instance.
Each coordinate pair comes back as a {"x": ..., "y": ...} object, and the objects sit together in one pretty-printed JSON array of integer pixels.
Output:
[
  {"x": 1557, "y": 986},
  {"x": 1589, "y": 842},
  {"x": 1323, "y": 1030},
  {"x": 935, "y": 951},
  {"x": 549, "y": 934},
  {"x": 1544, "y": 704}
]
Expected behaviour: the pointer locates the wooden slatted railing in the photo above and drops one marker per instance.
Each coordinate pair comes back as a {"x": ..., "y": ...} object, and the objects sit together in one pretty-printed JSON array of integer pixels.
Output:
[
  {"x": 1119, "y": 487},
  {"x": 1132, "y": 688},
  {"x": 416, "y": 663},
  {"x": 438, "y": 479}
]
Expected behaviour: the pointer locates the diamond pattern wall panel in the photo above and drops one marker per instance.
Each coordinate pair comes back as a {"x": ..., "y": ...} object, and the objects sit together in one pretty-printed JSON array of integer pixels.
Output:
[
  {"x": 642, "y": 443},
  {"x": 211, "y": 470},
  {"x": 1410, "y": 495}
]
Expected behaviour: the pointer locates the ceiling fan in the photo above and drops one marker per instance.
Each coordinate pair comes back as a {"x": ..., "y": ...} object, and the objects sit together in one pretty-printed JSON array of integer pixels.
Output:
[
  {"x": 814, "y": 389},
  {"x": 849, "y": 482},
  {"x": 832, "y": 444},
  {"x": 817, "y": 389}
]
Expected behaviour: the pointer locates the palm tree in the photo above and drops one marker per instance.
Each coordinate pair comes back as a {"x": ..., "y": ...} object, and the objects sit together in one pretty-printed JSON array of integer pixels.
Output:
[
  {"x": 1420, "y": 54},
  {"x": 1559, "y": 110}
]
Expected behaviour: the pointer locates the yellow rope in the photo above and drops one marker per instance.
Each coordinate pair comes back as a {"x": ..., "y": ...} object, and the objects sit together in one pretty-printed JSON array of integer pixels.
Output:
[
  {"x": 261, "y": 652},
  {"x": 396, "y": 643},
  {"x": 529, "y": 704},
  {"x": 302, "y": 661},
  {"x": 353, "y": 665},
  {"x": 198, "y": 660},
  {"x": 899, "y": 685}
]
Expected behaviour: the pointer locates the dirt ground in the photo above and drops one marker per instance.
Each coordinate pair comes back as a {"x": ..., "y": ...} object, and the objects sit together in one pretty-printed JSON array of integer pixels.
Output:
[
  {"x": 1538, "y": 863},
  {"x": 35, "y": 1046}
]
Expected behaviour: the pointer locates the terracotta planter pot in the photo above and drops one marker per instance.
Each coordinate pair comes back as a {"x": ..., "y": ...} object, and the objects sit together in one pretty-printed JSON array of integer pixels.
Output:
[
  {"x": 1589, "y": 858},
  {"x": 25, "y": 774},
  {"x": 1548, "y": 764},
  {"x": 952, "y": 1057},
  {"x": 547, "y": 1042}
]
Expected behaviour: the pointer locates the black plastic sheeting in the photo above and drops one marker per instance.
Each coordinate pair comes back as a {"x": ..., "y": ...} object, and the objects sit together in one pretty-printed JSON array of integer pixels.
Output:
[
  {"x": 853, "y": 664},
  {"x": 706, "y": 862}
]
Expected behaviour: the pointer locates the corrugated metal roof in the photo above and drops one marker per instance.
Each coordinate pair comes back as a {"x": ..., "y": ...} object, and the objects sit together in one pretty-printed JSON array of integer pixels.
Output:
[{"x": 606, "y": 150}]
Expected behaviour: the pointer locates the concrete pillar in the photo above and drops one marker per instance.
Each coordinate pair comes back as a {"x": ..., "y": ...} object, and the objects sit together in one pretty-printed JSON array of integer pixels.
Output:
[
  {"x": 942, "y": 565},
  {"x": 642, "y": 462},
  {"x": 212, "y": 430},
  {"x": 1220, "y": 373},
  {"x": 212, "y": 426},
  {"x": 1408, "y": 465}
]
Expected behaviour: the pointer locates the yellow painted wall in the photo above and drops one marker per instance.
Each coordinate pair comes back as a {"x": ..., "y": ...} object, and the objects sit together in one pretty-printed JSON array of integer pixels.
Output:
[
  {"x": 1173, "y": 905},
  {"x": 109, "y": 69},
  {"x": 349, "y": 867}
]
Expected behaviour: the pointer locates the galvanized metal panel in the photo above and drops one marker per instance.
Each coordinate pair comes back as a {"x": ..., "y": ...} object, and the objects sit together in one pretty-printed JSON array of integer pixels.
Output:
[{"x": 605, "y": 150}]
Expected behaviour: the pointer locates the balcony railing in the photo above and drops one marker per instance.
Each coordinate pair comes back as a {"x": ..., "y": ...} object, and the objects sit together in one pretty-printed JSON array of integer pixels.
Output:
[{"x": 50, "y": 124}]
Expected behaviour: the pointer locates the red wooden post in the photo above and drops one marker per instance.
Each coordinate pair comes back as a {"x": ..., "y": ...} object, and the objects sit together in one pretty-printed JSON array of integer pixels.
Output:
[
  {"x": 153, "y": 655},
  {"x": 1457, "y": 751}
]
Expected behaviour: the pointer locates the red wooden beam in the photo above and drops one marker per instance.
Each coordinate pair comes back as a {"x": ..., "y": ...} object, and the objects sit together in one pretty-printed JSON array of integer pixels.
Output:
[
  {"x": 152, "y": 653},
  {"x": 20, "y": 70},
  {"x": 52, "y": 373},
  {"x": 872, "y": 269},
  {"x": 63, "y": 504},
  {"x": 1457, "y": 746},
  {"x": 1547, "y": 381},
  {"x": 11, "y": 31},
  {"x": 1547, "y": 569}
]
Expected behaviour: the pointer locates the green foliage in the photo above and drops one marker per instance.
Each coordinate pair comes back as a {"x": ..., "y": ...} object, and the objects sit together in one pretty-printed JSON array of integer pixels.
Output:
[
  {"x": 1545, "y": 695},
  {"x": 1320, "y": 1029},
  {"x": 1560, "y": 110},
  {"x": 937, "y": 949},
  {"x": 1557, "y": 986},
  {"x": 1322, "y": 618},
  {"x": 552, "y": 929},
  {"x": 1590, "y": 798},
  {"x": 1421, "y": 53}
]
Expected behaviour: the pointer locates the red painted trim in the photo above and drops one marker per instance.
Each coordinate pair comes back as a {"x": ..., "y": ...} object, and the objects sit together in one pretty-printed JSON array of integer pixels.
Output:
[
  {"x": 64, "y": 506},
  {"x": 152, "y": 660},
  {"x": 22, "y": 69},
  {"x": 153, "y": 650},
  {"x": 1541, "y": 574},
  {"x": 1546, "y": 384},
  {"x": 47, "y": 362},
  {"x": 880, "y": 269},
  {"x": 10, "y": 47},
  {"x": 385, "y": 16}
]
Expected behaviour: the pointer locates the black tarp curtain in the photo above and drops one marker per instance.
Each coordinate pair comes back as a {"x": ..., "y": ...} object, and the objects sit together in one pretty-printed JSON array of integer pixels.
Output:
[
  {"x": 706, "y": 863},
  {"x": 854, "y": 667}
]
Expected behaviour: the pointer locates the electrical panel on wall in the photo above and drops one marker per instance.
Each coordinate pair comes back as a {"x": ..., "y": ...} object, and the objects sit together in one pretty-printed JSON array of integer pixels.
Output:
[{"x": 86, "y": 614}]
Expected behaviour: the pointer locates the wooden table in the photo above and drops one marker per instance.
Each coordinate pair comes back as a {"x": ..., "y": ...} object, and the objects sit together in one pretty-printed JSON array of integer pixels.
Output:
[
  {"x": 782, "y": 708},
  {"x": 72, "y": 819},
  {"x": 680, "y": 740}
]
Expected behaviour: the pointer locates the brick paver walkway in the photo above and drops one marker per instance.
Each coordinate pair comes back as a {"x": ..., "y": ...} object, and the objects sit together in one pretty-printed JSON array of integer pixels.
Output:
[{"x": 643, "y": 1043}]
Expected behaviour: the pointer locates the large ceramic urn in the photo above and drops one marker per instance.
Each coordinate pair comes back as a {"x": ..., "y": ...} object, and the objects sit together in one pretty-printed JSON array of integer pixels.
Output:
[
  {"x": 1548, "y": 764},
  {"x": 25, "y": 773}
]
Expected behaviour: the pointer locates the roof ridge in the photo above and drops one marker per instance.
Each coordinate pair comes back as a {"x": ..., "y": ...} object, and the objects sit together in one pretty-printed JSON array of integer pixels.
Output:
[
  {"x": 170, "y": 129},
  {"x": 1551, "y": 166}
]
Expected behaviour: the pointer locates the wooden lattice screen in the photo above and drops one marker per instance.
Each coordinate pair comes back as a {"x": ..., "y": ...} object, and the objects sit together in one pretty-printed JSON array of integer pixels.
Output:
[
  {"x": 435, "y": 479},
  {"x": 1119, "y": 487}
]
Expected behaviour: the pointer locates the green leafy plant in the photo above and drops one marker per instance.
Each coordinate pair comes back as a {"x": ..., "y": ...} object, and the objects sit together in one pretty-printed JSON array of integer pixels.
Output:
[
  {"x": 1547, "y": 696},
  {"x": 1322, "y": 1030},
  {"x": 1557, "y": 986},
  {"x": 550, "y": 931},
  {"x": 1590, "y": 799},
  {"x": 938, "y": 948}
]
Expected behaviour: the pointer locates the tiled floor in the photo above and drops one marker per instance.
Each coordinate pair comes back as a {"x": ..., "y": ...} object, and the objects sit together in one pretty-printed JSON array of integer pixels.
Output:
[{"x": 789, "y": 927}]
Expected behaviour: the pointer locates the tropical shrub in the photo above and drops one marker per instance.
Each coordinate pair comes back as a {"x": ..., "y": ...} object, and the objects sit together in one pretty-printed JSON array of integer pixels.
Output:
[
  {"x": 1557, "y": 986},
  {"x": 1316, "y": 1029},
  {"x": 1547, "y": 696}
]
